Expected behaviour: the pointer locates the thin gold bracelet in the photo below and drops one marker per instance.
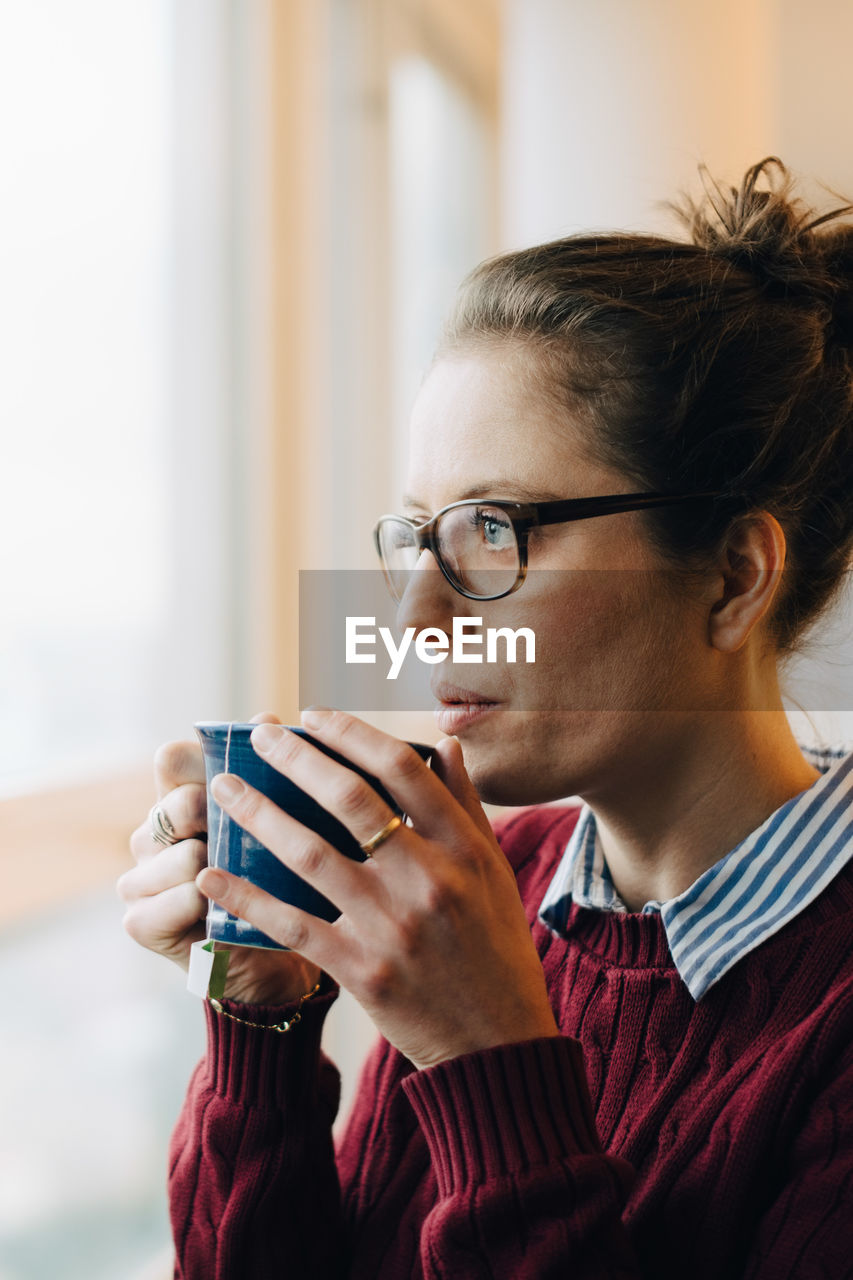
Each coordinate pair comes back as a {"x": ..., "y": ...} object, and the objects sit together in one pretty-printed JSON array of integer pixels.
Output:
[{"x": 281, "y": 1027}]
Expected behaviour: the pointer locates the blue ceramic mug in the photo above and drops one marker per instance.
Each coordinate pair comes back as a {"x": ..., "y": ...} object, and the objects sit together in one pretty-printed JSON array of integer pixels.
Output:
[{"x": 227, "y": 749}]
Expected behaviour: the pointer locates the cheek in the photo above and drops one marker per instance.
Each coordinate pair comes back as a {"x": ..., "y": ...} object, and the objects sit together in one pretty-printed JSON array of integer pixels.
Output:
[{"x": 607, "y": 640}]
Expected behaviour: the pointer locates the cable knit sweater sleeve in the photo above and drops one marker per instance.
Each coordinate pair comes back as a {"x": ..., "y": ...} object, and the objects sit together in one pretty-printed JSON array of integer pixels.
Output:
[
  {"x": 253, "y": 1184},
  {"x": 524, "y": 1188}
]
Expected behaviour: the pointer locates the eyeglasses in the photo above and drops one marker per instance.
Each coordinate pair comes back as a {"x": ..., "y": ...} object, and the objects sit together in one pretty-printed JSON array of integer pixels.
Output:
[{"x": 481, "y": 546}]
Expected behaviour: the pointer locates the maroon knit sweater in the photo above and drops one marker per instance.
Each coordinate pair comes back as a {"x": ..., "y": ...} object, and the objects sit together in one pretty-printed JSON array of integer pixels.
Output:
[{"x": 658, "y": 1137}]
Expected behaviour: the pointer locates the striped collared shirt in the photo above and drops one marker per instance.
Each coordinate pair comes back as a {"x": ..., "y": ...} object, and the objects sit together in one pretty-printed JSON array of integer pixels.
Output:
[{"x": 743, "y": 899}]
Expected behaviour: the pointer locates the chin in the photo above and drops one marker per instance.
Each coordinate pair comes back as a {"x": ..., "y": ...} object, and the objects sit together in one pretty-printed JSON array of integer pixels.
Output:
[{"x": 500, "y": 778}]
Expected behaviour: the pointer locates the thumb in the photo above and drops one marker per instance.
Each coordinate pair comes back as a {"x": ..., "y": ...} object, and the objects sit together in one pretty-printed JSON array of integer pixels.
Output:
[{"x": 449, "y": 764}]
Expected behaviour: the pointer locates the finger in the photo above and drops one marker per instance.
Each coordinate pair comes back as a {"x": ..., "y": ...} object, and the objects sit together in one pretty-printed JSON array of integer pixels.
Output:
[
  {"x": 315, "y": 939},
  {"x": 179, "y": 762},
  {"x": 168, "y": 921},
  {"x": 449, "y": 765},
  {"x": 417, "y": 790},
  {"x": 176, "y": 865},
  {"x": 344, "y": 793},
  {"x": 176, "y": 763},
  {"x": 185, "y": 810},
  {"x": 337, "y": 877}
]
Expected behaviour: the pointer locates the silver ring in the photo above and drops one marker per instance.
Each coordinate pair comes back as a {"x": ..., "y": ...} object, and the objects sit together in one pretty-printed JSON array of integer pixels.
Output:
[
  {"x": 161, "y": 827},
  {"x": 381, "y": 836}
]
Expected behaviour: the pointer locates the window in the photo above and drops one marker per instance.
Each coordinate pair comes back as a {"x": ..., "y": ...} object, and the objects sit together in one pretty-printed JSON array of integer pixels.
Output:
[
  {"x": 205, "y": 205},
  {"x": 84, "y": 325},
  {"x": 123, "y": 333}
]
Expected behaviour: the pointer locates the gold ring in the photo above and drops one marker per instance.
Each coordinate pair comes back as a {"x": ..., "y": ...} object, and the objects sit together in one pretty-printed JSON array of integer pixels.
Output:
[{"x": 381, "y": 836}]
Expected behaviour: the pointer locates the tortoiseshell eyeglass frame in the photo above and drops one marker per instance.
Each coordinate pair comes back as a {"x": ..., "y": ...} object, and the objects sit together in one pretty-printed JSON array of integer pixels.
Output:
[{"x": 523, "y": 517}]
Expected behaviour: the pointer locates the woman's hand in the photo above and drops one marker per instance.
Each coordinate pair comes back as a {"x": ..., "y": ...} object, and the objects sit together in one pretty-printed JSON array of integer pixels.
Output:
[
  {"x": 165, "y": 911},
  {"x": 433, "y": 940}
]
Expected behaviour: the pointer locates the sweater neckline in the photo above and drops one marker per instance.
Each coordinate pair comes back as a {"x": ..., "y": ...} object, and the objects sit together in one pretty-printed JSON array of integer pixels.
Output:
[{"x": 624, "y": 939}]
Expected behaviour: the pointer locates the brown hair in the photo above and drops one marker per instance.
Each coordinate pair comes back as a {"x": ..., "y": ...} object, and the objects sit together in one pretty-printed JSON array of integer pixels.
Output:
[{"x": 723, "y": 364}]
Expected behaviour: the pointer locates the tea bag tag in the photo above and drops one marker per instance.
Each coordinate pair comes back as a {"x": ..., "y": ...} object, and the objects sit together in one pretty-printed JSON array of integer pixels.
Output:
[{"x": 208, "y": 970}]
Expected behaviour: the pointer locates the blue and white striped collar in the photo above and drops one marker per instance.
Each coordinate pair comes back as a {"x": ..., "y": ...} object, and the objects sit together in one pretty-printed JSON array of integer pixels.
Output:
[{"x": 748, "y": 895}]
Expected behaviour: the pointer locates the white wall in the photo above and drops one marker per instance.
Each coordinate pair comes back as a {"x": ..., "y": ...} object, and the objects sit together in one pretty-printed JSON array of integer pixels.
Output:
[
  {"x": 609, "y": 107},
  {"x": 812, "y": 111}
]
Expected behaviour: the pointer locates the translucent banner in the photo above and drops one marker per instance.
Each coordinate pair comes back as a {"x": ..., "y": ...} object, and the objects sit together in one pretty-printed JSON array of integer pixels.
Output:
[{"x": 562, "y": 640}]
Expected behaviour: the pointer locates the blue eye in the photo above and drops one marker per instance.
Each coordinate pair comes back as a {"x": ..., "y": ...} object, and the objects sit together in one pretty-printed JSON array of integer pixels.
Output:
[{"x": 496, "y": 529}]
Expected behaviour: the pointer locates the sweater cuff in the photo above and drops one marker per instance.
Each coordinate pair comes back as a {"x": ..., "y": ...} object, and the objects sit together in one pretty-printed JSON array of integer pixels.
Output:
[
  {"x": 488, "y": 1114},
  {"x": 253, "y": 1066}
]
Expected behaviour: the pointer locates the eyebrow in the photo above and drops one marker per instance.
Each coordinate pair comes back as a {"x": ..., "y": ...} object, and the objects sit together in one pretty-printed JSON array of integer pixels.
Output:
[{"x": 504, "y": 488}]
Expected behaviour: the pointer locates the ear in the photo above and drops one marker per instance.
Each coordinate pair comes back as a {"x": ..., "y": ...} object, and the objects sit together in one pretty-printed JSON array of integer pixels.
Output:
[{"x": 749, "y": 574}]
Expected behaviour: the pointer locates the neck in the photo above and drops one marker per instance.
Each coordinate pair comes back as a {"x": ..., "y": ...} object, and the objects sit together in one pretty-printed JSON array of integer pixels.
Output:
[{"x": 695, "y": 796}]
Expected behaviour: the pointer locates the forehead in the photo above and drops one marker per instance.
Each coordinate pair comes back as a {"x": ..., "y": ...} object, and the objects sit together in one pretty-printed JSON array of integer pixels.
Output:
[{"x": 484, "y": 422}]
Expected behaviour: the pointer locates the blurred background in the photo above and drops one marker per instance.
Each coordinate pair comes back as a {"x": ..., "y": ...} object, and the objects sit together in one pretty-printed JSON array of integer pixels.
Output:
[{"x": 229, "y": 230}]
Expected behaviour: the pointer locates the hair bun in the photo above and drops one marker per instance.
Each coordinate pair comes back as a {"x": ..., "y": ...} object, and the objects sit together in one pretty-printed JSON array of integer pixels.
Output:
[{"x": 763, "y": 228}]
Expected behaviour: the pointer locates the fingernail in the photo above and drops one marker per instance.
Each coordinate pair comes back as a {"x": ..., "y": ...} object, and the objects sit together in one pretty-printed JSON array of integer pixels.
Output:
[
  {"x": 315, "y": 717},
  {"x": 265, "y": 737},
  {"x": 215, "y": 884},
  {"x": 226, "y": 788}
]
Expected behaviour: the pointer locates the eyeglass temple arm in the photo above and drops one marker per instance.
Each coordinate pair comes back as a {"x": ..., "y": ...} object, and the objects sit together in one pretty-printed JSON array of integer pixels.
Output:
[{"x": 581, "y": 508}]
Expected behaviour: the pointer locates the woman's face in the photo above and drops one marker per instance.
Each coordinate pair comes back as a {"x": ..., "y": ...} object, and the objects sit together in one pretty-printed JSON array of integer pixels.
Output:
[{"x": 615, "y": 644}]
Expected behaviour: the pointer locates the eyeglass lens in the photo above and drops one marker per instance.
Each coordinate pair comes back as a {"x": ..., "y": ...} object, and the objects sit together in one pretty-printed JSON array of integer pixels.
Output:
[{"x": 477, "y": 547}]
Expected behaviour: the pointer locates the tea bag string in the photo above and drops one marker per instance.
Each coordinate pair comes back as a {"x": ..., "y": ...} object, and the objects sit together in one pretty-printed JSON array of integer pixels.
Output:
[{"x": 215, "y": 862}]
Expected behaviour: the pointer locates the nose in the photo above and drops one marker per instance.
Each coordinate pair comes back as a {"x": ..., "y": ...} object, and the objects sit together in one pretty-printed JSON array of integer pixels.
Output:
[{"x": 428, "y": 599}]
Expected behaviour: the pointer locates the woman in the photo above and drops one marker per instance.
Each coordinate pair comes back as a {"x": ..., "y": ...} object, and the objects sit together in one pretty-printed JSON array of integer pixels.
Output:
[{"x": 616, "y": 1041}]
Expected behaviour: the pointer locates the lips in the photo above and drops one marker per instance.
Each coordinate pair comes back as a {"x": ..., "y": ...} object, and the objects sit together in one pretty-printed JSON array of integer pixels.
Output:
[
  {"x": 453, "y": 693},
  {"x": 460, "y": 708}
]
